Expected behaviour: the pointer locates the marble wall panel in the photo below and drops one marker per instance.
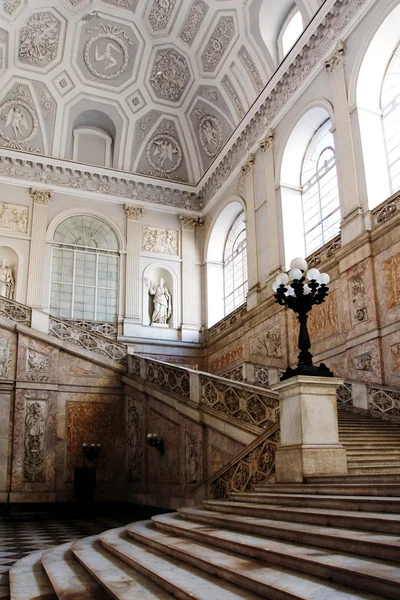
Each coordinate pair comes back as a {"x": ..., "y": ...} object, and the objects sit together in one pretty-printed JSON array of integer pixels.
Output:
[
  {"x": 387, "y": 278},
  {"x": 73, "y": 370},
  {"x": 194, "y": 455},
  {"x": 391, "y": 359},
  {"x": 218, "y": 364},
  {"x": 8, "y": 354},
  {"x": 364, "y": 362},
  {"x": 37, "y": 361},
  {"x": 165, "y": 469},
  {"x": 221, "y": 449},
  {"x": 135, "y": 439}
]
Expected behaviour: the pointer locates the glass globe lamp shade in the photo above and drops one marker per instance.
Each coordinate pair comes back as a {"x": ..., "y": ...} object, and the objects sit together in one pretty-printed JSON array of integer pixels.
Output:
[
  {"x": 324, "y": 278},
  {"x": 282, "y": 279},
  {"x": 295, "y": 274},
  {"x": 275, "y": 285},
  {"x": 298, "y": 263},
  {"x": 306, "y": 289},
  {"x": 290, "y": 291},
  {"x": 313, "y": 274}
]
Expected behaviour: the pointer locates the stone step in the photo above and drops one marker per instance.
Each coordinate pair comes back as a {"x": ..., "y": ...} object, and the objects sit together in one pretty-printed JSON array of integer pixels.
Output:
[
  {"x": 386, "y": 461},
  {"x": 373, "y": 445},
  {"x": 68, "y": 578},
  {"x": 369, "y": 437},
  {"x": 374, "y": 470},
  {"x": 347, "y": 479},
  {"x": 270, "y": 581},
  {"x": 29, "y": 581},
  {"x": 371, "y": 521},
  {"x": 349, "y": 489},
  {"x": 372, "y": 575},
  {"x": 381, "y": 452},
  {"x": 118, "y": 579},
  {"x": 179, "y": 578},
  {"x": 371, "y": 544},
  {"x": 385, "y": 504}
]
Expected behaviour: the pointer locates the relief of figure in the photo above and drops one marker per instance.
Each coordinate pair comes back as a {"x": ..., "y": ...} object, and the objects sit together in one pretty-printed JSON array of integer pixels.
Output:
[
  {"x": 162, "y": 302},
  {"x": 6, "y": 280},
  {"x": 35, "y": 427},
  {"x": 17, "y": 120},
  {"x": 193, "y": 463}
]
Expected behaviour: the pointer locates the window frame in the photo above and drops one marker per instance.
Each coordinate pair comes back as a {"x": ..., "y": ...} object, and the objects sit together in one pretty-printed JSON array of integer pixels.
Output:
[{"x": 238, "y": 249}]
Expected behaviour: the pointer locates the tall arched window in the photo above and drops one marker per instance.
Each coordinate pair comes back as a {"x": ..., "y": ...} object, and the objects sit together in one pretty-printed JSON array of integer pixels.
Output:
[
  {"x": 235, "y": 265},
  {"x": 290, "y": 33},
  {"x": 84, "y": 278},
  {"x": 320, "y": 195},
  {"x": 390, "y": 103}
]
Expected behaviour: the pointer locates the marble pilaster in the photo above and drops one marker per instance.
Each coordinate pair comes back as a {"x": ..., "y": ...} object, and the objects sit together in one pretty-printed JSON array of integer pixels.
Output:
[
  {"x": 133, "y": 246},
  {"x": 189, "y": 283},
  {"x": 251, "y": 233},
  {"x": 40, "y": 199}
]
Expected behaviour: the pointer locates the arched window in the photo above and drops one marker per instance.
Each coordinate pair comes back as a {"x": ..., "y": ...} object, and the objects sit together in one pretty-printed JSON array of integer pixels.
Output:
[
  {"x": 92, "y": 145},
  {"x": 290, "y": 33},
  {"x": 235, "y": 265},
  {"x": 84, "y": 278},
  {"x": 390, "y": 104},
  {"x": 320, "y": 195}
]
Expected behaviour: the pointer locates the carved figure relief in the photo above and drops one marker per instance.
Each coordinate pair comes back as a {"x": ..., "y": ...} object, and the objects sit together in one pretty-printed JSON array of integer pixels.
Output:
[
  {"x": 5, "y": 356},
  {"x": 363, "y": 362},
  {"x": 268, "y": 343},
  {"x": 6, "y": 280},
  {"x": 18, "y": 121},
  {"x": 106, "y": 54},
  {"x": 34, "y": 440},
  {"x": 392, "y": 280},
  {"x": 217, "y": 44},
  {"x": 39, "y": 39},
  {"x": 162, "y": 302},
  {"x": 134, "y": 439},
  {"x": 164, "y": 153},
  {"x": 358, "y": 297},
  {"x": 395, "y": 354},
  {"x": 192, "y": 460},
  {"x": 210, "y": 133},
  {"x": 170, "y": 74},
  {"x": 160, "y": 13},
  {"x": 193, "y": 21},
  {"x": 163, "y": 241},
  {"x": 37, "y": 365}
]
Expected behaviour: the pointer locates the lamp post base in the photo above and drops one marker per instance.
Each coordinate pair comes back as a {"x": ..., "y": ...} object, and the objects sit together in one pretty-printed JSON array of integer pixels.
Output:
[{"x": 308, "y": 371}]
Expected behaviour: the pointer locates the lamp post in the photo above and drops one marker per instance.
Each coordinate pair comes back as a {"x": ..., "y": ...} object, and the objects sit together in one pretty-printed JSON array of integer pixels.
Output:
[
  {"x": 300, "y": 290},
  {"x": 154, "y": 441}
]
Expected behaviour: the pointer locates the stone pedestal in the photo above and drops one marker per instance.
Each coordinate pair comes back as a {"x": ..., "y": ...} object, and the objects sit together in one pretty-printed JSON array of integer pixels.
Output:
[{"x": 309, "y": 429}]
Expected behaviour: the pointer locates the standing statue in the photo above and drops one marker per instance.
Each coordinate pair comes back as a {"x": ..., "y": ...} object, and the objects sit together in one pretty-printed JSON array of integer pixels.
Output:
[
  {"x": 162, "y": 302},
  {"x": 6, "y": 280}
]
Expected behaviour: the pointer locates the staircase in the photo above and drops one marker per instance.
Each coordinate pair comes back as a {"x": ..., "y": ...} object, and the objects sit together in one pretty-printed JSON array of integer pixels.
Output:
[{"x": 372, "y": 445}]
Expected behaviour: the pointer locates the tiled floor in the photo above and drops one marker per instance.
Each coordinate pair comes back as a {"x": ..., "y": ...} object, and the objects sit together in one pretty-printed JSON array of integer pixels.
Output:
[{"x": 19, "y": 538}]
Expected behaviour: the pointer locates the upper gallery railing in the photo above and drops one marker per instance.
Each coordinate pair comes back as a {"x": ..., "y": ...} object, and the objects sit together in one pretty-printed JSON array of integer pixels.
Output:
[
  {"x": 19, "y": 313},
  {"x": 387, "y": 210},
  {"x": 109, "y": 330}
]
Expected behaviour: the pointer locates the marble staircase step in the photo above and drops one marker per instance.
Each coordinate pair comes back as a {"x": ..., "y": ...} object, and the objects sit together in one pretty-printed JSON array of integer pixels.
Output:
[
  {"x": 374, "y": 462},
  {"x": 348, "y": 489},
  {"x": 29, "y": 581},
  {"x": 118, "y": 579},
  {"x": 372, "y": 575},
  {"x": 373, "y": 469},
  {"x": 385, "y": 504},
  {"x": 386, "y": 547},
  {"x": 383, "y": 453},
  {"x": 68, "y": 578},
  {"x": 341, "y": 479},
  {"x": 269, "y": 580},
  {"x": 369, "y": 521},
  {"x": 183, "y": 580}
]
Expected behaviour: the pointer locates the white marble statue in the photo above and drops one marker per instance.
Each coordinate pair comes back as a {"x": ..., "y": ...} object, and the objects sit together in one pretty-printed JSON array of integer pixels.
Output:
[
  {"x": 6, "y": 280},
  {"x": 162, "y": 302}
]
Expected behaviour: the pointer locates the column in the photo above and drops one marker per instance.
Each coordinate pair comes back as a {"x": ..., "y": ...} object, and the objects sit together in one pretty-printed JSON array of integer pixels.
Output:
[
  {"x": 251, "y": 233},
  {"x": 352, "y": 224},
  {"x": 40, "y": 199},
  {"x": 133, "y": 284},
  {"x": 273, "y": 225},
  {"x": 190, "y": 301}
]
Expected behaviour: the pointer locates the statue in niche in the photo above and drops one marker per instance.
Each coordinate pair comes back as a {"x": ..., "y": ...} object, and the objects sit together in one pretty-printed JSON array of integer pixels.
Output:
[
  {"x": 162, "y": 302},
  {"x": 6, "y": 280}
]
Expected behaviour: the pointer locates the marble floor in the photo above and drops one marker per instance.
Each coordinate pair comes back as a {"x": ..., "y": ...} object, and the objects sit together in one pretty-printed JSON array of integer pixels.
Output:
[{"x": 20, "y": 535}]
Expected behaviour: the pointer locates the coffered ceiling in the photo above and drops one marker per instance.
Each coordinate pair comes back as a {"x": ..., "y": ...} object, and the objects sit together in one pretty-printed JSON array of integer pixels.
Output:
[{"x": 168, "y": 80}]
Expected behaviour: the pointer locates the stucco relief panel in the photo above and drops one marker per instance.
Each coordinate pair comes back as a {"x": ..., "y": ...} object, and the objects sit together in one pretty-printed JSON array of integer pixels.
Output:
[
  {"x": 40, "y": 37},
  {"x": 268, "y": 343},
  {"x": 19, "y": 122},
  {"x": 162, "y": 241},
  {"x": 170, "y": 74},
  {"x": 217, "y": 44},
  {"x": 90, "y": 423},
  {"x": 193, "y": 21}
]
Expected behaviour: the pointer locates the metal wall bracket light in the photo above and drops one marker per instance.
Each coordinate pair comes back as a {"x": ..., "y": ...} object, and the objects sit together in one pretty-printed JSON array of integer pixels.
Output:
[
  {"x": 154, "y": 441},
  {"x": 300, "y": 290},
  {"x": 91, "y": 451}
]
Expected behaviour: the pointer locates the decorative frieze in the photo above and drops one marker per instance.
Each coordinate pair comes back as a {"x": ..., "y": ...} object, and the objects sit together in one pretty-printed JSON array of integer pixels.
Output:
[
  {"x": 217, "y": 364},
  {"x": 162, "y": 241}
]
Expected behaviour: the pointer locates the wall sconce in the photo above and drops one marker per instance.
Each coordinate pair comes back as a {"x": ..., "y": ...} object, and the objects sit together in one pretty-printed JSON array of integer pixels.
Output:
[
  {"x": 91, "y": 451},
  {"x": 154, "y": 440}
]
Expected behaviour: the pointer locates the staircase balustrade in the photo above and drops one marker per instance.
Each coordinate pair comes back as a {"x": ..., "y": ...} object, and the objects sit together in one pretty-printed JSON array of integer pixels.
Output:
[
  {"x": 387, "y": 210},
  {"x": 19, "y": 313},
  {"x": 109, "y": 330},
  {"x": 384, "y": 401}
]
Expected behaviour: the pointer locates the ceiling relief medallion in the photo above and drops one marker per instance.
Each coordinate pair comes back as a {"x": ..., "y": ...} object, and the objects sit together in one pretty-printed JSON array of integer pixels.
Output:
[
  {"x": 39, "y": 39},
  {"x": 10, "y": 6},
  {"x": 164, "y": 153},
  {"x": 210, "y": 133},
  {"x": 217, "y": 44},
  {"x": 160, "y": 14},
  {"x": 106, "y": 54},
  {"x": 170, "y": 74},
  {"x": 18, "y": 120},
  {"x": 193, "y": 22}
]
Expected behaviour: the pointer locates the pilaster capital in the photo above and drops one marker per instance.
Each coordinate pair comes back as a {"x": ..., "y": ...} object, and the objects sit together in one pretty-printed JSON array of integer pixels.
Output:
[
  {"x": 40, "y": 196},
  {"x": 337, "y": 59},
  {"x": 188, "y": 222},
  {"x": 134, "y": 213},
  {"x": 249, "y": 164},
  {"x": 269, "y": 141}
]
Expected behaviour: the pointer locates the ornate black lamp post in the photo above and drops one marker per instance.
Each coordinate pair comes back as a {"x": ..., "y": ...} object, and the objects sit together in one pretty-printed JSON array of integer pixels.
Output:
[
  {"x": 91, "y": 451},
  {"x": 299, "y": 292},
  {"x": 154, "y": 441}
]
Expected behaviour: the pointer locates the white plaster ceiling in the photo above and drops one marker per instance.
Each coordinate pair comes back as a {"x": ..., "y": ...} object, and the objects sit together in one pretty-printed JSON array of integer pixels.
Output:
[{"x": 169, "y": 80}]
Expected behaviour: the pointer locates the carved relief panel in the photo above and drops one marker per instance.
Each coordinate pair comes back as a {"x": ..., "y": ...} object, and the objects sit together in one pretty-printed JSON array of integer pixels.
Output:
[
  {"x": 134, "y": 439},
  {"x": 5, "y": 357},
  {"x": 211, "y": 130},
  {"x": 37, "y": 365},
  {"x": 39, "y": 40},
  {"x": 392, "y": 280},
  {"x": 217, "y": 44},
  {"x": 267, "y": 344},
  {"x": 35, "y": 440},
  {"x": 193, "y": 453},
  {"x": 193, "y": 21},
  {"x": 163, "y": 241},
  {"x": 19, "y": 122},
  {"x": 358, "y": 298}
]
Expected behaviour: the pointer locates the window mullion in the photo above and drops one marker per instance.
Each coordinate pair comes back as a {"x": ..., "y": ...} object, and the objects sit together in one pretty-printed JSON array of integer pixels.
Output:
[
  {"x": 73, "y": 285},
  {"x": 96, "y": 285}
]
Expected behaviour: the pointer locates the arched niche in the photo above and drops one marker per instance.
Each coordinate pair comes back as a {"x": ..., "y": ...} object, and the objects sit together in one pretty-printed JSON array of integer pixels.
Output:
[
  {"x": 153, "y": 273},
  {"x": 290, "y": 179},
  {"x": 365, "y": 88},
  {"x": 13, "y": 262},
  {"x": 215, "y": 245}
]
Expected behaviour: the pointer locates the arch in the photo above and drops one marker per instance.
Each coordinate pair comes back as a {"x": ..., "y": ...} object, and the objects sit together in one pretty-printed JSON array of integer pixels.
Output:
[
  {"x": 290, "y": 31},
  {"x": 94, "y": 142},
  {"x": 289, "y": 171},
  {"x": 160, "y": 266},
  {"x": 365, "y": 91}
]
